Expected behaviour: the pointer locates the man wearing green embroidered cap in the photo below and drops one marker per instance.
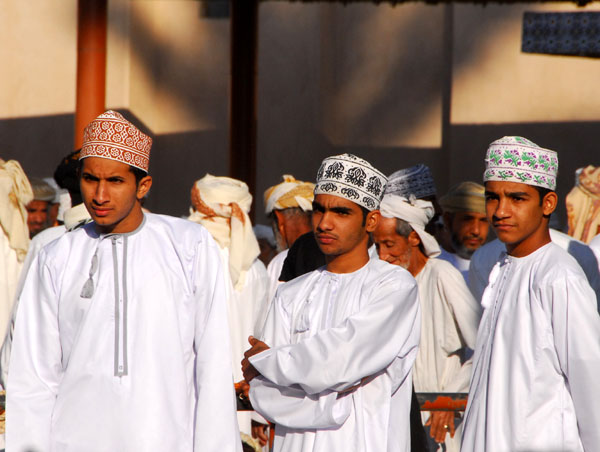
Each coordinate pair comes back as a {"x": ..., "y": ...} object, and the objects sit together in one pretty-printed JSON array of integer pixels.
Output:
[{"x": 534, "y": 384}]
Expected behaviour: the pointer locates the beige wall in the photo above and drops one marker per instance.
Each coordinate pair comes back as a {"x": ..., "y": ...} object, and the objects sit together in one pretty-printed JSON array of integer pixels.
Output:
[{"x": 397, "y": 85}]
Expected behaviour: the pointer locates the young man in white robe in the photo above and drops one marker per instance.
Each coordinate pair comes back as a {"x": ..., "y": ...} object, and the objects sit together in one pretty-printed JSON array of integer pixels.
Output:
[
  {"x": 221, "y": 205},
  {"x": 449, "y": 313},
  {"x": 121, "y": 339},
  {"x": 465, "y": 223},
  {"x": 535, "y": 370},
  {"x": 333, "y": 371}
]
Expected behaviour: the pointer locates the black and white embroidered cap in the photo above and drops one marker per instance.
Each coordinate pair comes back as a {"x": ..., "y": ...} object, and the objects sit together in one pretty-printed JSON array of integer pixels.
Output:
[
  {"x": 416, "y": 180},
  {"x": 353, "y": 178}
]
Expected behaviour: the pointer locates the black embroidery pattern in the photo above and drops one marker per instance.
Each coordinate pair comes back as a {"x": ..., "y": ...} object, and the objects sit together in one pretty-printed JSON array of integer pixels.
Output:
[
  {"x": 374, "y": 186},
  {"x": 321, "y": 171},
  {"x": 369, "y": 202},
  {"x": 356, "y": 176},
  {"x": 329, "y": 187},
  {"x": 335, "y": 171},
  {"x": 350, "y": 193}
]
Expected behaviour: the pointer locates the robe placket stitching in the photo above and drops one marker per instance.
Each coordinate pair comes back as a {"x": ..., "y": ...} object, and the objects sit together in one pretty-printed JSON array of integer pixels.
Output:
[{"x": 120, "y": 362}]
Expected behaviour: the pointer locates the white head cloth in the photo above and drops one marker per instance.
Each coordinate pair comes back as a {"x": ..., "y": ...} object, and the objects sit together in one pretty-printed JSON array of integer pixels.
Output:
[
  {"x": 516, "y": 159},
  {"x": 415, "y": 212},
  {"x": 221, "y": 205},
  {"x": 416, "y": 180},
  {"x": 353, "y": 178},
  {"x": 290, "y": 193},
  {"x": 16, "y": 193}
]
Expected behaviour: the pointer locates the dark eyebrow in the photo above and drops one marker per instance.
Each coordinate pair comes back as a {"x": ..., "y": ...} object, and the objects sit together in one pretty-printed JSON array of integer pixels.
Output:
[
  {"x": 317, "y": 206},
  {"x": 519, "y": 194},
  {"x": 89, "y": 175},
  {"x": 341, "y": 209},
  {"x": 490, "y": 193}
]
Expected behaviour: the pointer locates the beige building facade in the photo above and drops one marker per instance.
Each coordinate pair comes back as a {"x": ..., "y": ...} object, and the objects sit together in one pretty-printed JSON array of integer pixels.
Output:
[{"x": 397, "y": 85}]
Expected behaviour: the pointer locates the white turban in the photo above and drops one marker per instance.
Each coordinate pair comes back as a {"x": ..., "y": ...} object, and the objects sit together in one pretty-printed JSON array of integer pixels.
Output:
[
  {"x": 417, "y": 213},
  {"x": 221, "y": 205}
]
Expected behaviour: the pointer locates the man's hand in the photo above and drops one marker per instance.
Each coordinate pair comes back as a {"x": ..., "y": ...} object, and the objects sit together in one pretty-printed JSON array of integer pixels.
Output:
[
  {"x": 256, "y": 347},
  {"x": 441, "y": 422},
  {"x": 259, "y": 431}
]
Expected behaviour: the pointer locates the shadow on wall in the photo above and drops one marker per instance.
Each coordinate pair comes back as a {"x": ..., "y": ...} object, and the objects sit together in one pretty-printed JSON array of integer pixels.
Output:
[{"x": 320, "y": 108}]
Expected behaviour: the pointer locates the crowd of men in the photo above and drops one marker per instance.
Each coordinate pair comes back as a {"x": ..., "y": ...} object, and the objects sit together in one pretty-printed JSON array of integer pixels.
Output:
[{"x": 127, "y": 330}]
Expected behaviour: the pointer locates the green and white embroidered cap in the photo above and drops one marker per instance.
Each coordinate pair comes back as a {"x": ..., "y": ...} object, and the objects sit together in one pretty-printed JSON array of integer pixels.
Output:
[{"x": 516, "y": 159}]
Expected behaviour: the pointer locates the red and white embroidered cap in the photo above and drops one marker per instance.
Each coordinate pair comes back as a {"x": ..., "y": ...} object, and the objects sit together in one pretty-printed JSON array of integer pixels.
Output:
[{"x": 111, "y": 136}]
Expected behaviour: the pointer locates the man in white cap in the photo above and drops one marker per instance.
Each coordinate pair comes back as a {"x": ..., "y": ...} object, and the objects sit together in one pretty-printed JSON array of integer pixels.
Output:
[
  {"x": 221, "y": 205},
  {"x": 449, "y": 313},
  {"x": 465, "y": 224},
  {"x": 289, "y": 207},
  {"x": 121, "y": 339},
  {"x": 334, "y": 370},
  {"x": 535, "y": 370}
]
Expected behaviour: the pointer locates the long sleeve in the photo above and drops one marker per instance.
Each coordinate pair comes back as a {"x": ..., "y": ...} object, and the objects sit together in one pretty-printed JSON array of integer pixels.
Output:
[
  {"x": 576, "y": 327},
  {"x": 291, "y": 406},
  {"x": 362, "y": 345},
  {"x": 467, "y": 314},
  {"x": 215, "y": 421},
  {"x": 36, "y": 363}
]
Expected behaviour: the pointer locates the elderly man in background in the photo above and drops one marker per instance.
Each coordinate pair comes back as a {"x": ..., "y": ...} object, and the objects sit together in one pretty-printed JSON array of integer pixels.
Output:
[
  {"x": 289, "y": 206},
  {"x": 221, "y": 205},
  {"x": 466, "y": 224},
  {"x": 39, "y": 207},
  {"x": 449, "y": 314}
]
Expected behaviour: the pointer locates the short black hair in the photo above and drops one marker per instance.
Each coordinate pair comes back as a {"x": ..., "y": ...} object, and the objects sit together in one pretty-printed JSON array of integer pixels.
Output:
[
  {"x": 138, "y": 173},
  {"x": 365, "y": 212},
  {"x": 543, "y": 191}
]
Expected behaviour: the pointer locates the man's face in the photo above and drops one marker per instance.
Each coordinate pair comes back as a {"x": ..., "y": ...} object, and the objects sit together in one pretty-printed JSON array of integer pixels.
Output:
[
  {"x": 468, "y": 231},
  {"x": 37, "y": 216},
  {"x": 111, "y": 195},
  {"x": 391, "y": 246},
  {"x": 337, "y": 224},
  {"x": 515, "y": 213}
]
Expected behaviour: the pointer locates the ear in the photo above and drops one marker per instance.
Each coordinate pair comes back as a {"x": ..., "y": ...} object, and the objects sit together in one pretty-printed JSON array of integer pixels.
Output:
[
  {"x": 413, "y": 239},
  {"x": 280, "y": 222},
  {"x": 372, "y": 220},
  {"x": 549, "y": 203},
  {"x": 144, "y": 187}
]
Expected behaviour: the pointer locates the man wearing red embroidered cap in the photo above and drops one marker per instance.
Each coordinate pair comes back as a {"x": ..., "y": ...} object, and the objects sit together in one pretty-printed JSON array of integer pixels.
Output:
[{"x": 121, "y": 340}]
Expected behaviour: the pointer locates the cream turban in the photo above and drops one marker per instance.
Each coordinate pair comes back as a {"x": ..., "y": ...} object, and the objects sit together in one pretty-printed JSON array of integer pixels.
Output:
[
  {"x": 464, "y": 197},
  {"x": 583, "y": 205},
  {"x": 415, "y": 212},
  {"x": 221, "y": 205},
  {"x": 16, "y": 192},
  {"x": 290, "y": 193}
]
